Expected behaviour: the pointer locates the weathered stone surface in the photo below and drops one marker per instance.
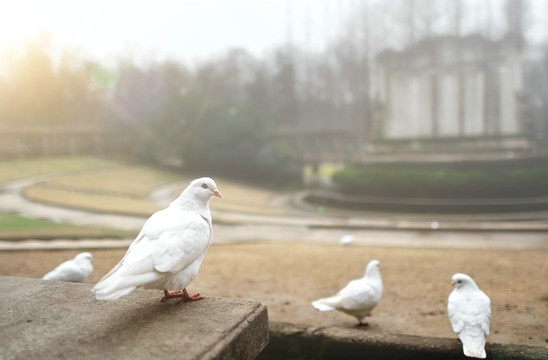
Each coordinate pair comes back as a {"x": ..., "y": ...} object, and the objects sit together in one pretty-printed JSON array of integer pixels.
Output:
[
  {"x": 288, "y": 341},
  {"x": 54, "y": 320}
]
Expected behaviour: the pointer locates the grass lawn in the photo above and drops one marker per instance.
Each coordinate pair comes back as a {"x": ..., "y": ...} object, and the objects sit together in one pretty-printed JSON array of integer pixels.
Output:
[
  {"x": 20, "y": 169},
  {"x": 109, "y": 187},
  {"x": 125, "y": 189},
  {"x": 90, "y": 183},
  {"x": 117, "y": 189},
  {"x": 15, "y": 227}
]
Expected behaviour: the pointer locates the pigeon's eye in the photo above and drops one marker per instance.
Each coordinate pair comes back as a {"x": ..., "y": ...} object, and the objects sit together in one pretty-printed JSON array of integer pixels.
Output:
[
  {"x": 459, "y": 281},
  {"x": 204, "y": 186}
]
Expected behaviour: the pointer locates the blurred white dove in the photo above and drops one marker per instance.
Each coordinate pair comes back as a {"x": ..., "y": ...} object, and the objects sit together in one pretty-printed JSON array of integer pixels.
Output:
[
  {"x": 346, "y": 239},
  {"x": 469, "y": 311},
  {"x": 169, "y": 250},
  {"x": 358, "y": 297},
  {"x": 76, "y": 269}
]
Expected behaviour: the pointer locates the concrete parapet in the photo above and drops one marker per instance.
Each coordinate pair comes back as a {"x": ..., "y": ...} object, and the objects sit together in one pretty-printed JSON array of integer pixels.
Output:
[
  {"x": 288, "y": 341},
  {"x": 54, "y": 320}
]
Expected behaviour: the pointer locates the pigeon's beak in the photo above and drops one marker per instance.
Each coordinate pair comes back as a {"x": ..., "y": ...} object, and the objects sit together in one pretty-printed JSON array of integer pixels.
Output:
[
  {"x": 452, "y": 283},
  {"x": 217, "y": 193}
]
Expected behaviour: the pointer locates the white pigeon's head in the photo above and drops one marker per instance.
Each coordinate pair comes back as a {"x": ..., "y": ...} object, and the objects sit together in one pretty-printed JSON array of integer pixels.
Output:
[
  {"x": 204, "y": 188},
  {"x": 463, "y": 281},
  {"x": 84, "y": 257},
  {"x": 85, "y": 262},
  {"x": 373, "y": 268}
]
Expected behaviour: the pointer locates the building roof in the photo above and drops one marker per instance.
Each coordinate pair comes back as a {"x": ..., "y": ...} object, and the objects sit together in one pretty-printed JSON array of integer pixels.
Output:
[{"x": 449, "y": 50}]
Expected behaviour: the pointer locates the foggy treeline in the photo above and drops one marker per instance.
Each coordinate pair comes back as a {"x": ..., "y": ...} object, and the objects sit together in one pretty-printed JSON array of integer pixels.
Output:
[{"x": 228, "y": 112}]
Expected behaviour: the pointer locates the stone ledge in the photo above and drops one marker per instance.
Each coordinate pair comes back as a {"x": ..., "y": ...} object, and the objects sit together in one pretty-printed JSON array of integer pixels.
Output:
[
  {"x": 55, "y": 320},
  {"x": 288, "y": 341}
]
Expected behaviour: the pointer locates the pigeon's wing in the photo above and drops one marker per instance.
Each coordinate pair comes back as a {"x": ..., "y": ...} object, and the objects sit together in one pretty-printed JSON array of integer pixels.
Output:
[
  {"x": 137, "y": 240},
  {"x": 331, "y": 302},
  {"x": 141, "y": 247},
  {"x": 66, "y": 271},
  {"x": 455, "y": 311},
  {"x": 484, "y": 312},
  {"x": 134, "y": 270},
  {"x": 473, "y": 312},
  {"x": 357, "y": 294},
  {"x": 177, "y": 249}
]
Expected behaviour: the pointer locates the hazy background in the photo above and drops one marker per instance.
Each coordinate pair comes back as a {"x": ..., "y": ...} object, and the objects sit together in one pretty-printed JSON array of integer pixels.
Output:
[{"x": 226, "y": 85}]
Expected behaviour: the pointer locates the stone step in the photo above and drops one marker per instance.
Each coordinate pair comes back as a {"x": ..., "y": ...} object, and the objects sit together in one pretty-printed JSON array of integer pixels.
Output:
[
  {"x": 288, "y": 341},
  {"x": 55, "y": 320}
]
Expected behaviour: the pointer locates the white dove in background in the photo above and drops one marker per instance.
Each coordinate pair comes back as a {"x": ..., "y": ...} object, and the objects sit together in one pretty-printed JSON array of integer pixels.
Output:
[
  {"x": 346, "y": 239},
  {"x": 76, "y": 269},
  {"x": 358, "y": 297},
  {"x": 169, "y": 250},
  {"x": 469, "y": 311}
]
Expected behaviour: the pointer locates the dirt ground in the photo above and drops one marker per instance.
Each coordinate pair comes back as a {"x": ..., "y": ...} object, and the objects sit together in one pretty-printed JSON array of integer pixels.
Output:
[{"x": 286, "y": 277}]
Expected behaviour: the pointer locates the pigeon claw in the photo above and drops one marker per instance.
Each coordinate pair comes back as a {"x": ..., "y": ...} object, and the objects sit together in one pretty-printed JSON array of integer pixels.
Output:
[
  {"x": 182, "y": 294},
  {"x": 187, "y": 297}
]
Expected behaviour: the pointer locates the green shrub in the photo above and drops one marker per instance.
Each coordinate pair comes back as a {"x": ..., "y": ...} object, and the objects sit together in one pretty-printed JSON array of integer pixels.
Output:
[{"x": 446, "y": 180}]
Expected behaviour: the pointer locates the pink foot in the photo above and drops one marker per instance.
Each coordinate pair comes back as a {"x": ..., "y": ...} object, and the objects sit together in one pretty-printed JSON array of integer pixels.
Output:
[{"x": 182, "y": 294}]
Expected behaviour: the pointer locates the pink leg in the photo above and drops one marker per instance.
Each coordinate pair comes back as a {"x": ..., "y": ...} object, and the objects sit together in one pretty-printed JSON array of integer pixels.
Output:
[
  {"x": 362, "y": 323},
  {"x": 182, "y": 294},
  {"x": 193, "y": 297}
]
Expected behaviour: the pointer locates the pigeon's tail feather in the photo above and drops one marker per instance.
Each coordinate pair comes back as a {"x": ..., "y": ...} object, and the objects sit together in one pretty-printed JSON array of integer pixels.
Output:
[
  {"x": 48, "y": 276},
  {"x": 116, "y": 285},
  {"x": 101, "y": 295},
  {"x": 476, "y": 353},
  {"x": 326, "y": 304},
  {"x": 473, "y": 343},
  {"x": 322, "y": 307}
]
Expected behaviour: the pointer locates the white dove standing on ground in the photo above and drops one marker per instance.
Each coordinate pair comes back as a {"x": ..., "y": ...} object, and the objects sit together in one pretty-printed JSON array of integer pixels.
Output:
[
  {"x": 469, "y": 311},
  {"x": 76, "y": 269},
  {"x": 169, "y": 250},
  {"x": 358, "y": 297},
  {"x": 346, "y": 239}
]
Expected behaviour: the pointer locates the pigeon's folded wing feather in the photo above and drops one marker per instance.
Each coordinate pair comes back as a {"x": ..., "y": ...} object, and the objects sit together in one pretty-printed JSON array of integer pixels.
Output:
[
  {"x": 463, "y": 313},
  {"x": 150, "y": 231},
  {"x": 484, "y": 315},
  {"x": 366, "y": 297},
  {"x": 336, "y": 301},
  {"x": 359, "y": 297},
  {"x": 455, "y": 310},
  {"x": 456, "y": 322},
  {"x": 137, "y": 240},
  {"x": 177, "y": 249},
  {"x": 66, "y": 271},
  {"x": 134, "y": 270}
]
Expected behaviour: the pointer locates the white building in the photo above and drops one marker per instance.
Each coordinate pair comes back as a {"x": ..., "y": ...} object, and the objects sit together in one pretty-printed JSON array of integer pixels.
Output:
[{"x": 451, "y": 96}]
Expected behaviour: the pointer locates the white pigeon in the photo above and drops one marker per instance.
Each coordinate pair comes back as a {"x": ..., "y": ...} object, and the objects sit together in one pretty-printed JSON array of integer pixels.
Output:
[
  {"x": 469, "y": 311},
  {"x": 169, "y": 250},
  {"x": 76, "y": 269},
  {"x": 346, "y": 239},
  {"x": 358, "y": 297}
]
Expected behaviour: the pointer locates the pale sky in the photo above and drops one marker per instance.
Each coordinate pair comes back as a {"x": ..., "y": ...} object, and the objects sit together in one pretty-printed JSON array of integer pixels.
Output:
[
  {"x": 184, "y": 30},
  {"x": 188, "y": 30}
]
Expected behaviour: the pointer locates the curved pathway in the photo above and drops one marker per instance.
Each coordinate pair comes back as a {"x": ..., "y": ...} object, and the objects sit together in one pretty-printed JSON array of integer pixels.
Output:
[
  {"x": 302, "y": 227},
  {"x": 13, "y": 200}
]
